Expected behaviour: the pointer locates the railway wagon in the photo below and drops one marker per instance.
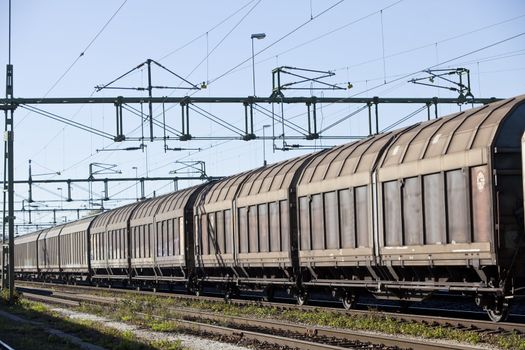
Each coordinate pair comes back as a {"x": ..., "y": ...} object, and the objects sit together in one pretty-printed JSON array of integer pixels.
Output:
[
  {"x": 336, "y": 219},
  {"x": 450, "y": 214},
  {"x": 162, "y": 238},
  {"x": 110, "y": 244},
  {"x": 244, "y": 225},
  {"x": 49, "y": 252},
  {"x": 26, "y": 255},
  {"x": 74, "y": 249},
  {"x": 214, "y": 252}
]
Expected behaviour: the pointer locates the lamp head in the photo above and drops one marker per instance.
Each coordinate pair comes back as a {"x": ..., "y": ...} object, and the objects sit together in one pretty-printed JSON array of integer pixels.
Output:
[{"x": 258, "y": 36}]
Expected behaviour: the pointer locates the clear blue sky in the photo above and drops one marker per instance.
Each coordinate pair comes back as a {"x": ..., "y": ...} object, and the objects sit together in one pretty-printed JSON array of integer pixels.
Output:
[{"x": 48, "y": 36}]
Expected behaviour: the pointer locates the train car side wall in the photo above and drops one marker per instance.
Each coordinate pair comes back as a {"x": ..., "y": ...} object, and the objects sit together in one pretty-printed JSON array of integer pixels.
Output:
[{"x": 508, "y": 196}]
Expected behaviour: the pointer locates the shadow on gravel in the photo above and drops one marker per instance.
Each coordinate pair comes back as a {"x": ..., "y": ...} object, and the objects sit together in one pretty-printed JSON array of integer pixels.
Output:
[{"x": 27, "y": 326}]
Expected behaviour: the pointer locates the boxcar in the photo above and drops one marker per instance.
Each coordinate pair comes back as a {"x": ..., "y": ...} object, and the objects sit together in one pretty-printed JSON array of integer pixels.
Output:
[
  {"x": 110, "y": 242},
  {"x": 74, "y": 248},
  {"x": 267, "y": 226},
  {"x": 336, "y": 217},
  {"x": 450, "y": 205},
  {"x": 48, "y": 252},
  {"x": 162, "y": 237},
  {"x": 175, "y": 246},
  {"x": 26, "y": 255},
  {"x": 214, "y": 211}
]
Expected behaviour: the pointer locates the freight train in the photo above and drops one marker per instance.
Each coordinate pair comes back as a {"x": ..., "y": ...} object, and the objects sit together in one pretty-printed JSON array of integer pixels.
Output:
[{"x": 436, "y": 207}]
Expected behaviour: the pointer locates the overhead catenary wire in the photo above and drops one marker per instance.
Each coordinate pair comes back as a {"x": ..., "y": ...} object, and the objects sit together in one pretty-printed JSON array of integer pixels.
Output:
[
  {"x": 223, "y": 39},
  {"x": 344, "y": 26},
  {"x": 206, "y": 32},
  {"x": 216, "y": 119},
  {"x": 83, "y": 52},
  {"x": 404, "y": 119},
  {"x": 67, "y": 121},
  {"x": 348, "y": 116}
]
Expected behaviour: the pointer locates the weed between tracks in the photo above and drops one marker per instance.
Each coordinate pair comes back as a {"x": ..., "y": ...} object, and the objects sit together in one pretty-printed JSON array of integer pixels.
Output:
[{"x": 132, "y": 304}]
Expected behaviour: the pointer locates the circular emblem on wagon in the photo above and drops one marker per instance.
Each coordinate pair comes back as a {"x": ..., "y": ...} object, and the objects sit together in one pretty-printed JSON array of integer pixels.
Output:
[{"x": 480, "y": 180}]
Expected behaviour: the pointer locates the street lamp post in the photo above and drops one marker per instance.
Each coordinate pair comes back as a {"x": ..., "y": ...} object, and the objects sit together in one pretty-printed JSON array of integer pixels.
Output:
[
  {"x": 60, "y": 189},
  {"x": 258, "y": 36},
  {"x": 264, "y": 144},
  {"x": 136, "y": 183}
]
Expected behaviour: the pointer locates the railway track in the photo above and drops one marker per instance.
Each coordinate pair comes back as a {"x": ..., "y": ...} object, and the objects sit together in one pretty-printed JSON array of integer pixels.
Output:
[
  {"x": 458, "y": 323},
  {"x": 270, "y": 333},
  {"x": 4, "y": 346}
]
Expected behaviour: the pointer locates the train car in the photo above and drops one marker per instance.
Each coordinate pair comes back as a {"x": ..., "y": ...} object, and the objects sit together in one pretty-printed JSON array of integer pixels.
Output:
[
  {"x": 252, "y": 247},
  {"x": 26, "y": 255},
  {"x": 336, "y": 218},
  {"x": 110, "y": 244},
  {"x": 162, "y": 238},
  {"x": 214, "y": 256},
  {"x": 450, "y": 206},
  {"x": 175, "y": 245},
  {"x": 267, "y": 226},
  {"x": 74, "y": 249},
  {"x": 48, "y": 252}
]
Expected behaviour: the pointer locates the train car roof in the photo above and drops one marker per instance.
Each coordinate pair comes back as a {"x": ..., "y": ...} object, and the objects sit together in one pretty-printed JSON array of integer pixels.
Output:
[
  {"x": 165, "y": 203},
  {"x": 468, "y": 134},
  {"x": 273, "y": 177},
  {"x": 33, "y": 236},
  {"x": 114, "y": 216},
  {"x": 78, "y": 225},
  {"x": 222, "y": 190},
  {"x": 347, "y": 159}
]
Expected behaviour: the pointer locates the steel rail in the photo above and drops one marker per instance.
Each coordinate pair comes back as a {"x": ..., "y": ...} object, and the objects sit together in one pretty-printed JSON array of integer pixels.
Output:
[{"x": 4, "y": 346}]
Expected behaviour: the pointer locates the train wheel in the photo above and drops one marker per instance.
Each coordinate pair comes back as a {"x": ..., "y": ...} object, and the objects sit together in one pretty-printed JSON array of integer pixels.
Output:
[
  {"x": 268, "y": 294},
  {"x": 348, "y": 301},
  {"x": 498, "y": 314},
  {"x": 301, "y": 298}
]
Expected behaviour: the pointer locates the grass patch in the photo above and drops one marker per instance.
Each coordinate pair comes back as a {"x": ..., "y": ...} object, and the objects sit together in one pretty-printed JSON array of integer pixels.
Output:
[{"x": 4, "y": 297}]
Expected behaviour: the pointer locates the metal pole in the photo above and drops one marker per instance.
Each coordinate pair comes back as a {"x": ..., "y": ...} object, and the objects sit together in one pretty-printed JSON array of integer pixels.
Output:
[
  {"x": 150, "y": 105},
  {"x": 11, "y": 203},
  {"x": 136, "y": 183},
  {"x": 30, "y": 194},
  {"x": 253, "y": 68},
  {"x": 4, "y": 251},
  {"x": 264, "y": 146},
  {"x": 9, "y": 125}
]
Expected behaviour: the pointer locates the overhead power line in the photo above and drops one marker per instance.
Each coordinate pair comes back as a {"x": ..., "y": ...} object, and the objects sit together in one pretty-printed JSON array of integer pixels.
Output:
[
  {"x": 82, "y": 53},
  {"x": 206, "y": 32}
]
